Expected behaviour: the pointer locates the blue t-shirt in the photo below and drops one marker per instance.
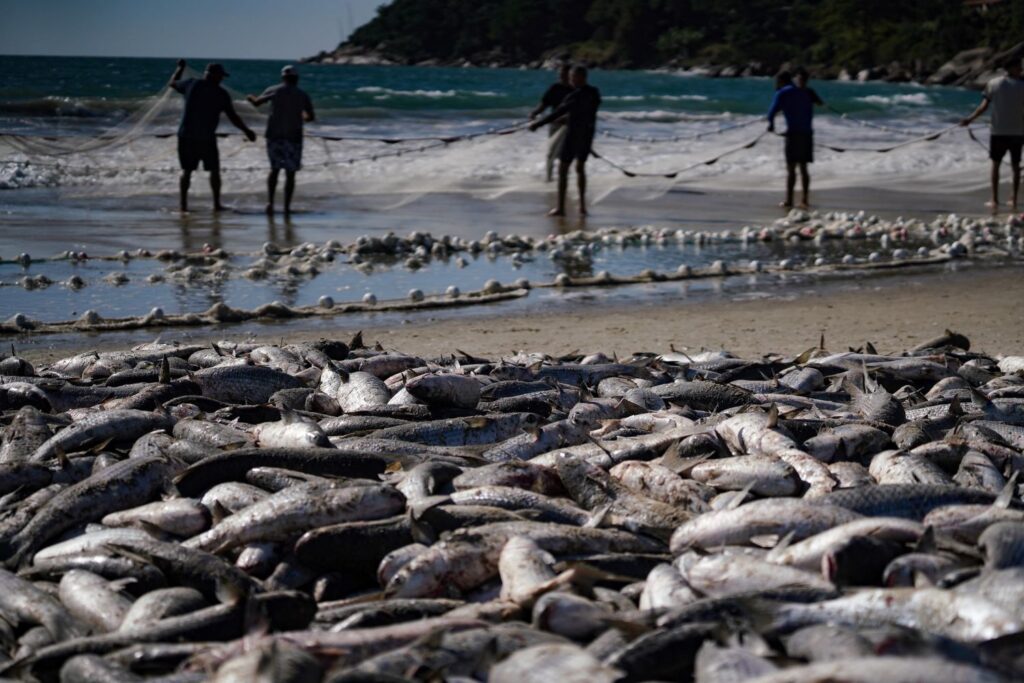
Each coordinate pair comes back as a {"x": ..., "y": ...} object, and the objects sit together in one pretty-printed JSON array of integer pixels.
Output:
[
  {"x": 204, "y": 103},
  {"x": 797, "y": 105}
]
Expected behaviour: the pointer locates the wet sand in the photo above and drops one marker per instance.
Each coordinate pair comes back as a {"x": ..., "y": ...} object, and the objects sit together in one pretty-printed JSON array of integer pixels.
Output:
[
  {"x": 894, "y": 313},
  {"x": 43, "y": 222}
]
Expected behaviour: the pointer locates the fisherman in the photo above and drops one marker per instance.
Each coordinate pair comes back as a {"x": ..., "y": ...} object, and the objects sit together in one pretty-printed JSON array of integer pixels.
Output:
[
  {"x": 800, "y": 78},
  {"x": 797, "y": 105},
  {"x": 1005, "y": 94},
  {"x": 205, "y": 100},
  {"x": 581, "y": 107},
  {"x": 290, "y": 107},
  {"x": 553, "y": 97}
]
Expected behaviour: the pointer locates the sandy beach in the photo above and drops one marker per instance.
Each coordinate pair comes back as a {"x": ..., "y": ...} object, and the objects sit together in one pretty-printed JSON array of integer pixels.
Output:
[{"x": 893, "y": 312}]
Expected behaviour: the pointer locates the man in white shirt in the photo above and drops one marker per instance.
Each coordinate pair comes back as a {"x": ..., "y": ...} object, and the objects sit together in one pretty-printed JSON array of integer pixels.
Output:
[{"x": 1005, "y": 95}]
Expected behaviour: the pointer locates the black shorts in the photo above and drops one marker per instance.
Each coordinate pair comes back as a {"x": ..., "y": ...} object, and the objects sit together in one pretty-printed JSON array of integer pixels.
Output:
[
  {"x": 576, "y": 148},
  {"x": 999, "y": 145},
  {"x": 191, "y": 152},
  {"x": 799, "y": 148}
]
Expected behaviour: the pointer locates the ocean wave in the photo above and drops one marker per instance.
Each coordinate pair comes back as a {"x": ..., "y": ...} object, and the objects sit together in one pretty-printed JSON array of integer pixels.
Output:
[
  {"x": 683, "y": 98},
  {"x": 76, "y": 107},
  {"x": 919, "y": 99},
  {"x": 383, "y": 93},
  {"x": 663, "y": 116},
  {"x": 665, "y": 98}
]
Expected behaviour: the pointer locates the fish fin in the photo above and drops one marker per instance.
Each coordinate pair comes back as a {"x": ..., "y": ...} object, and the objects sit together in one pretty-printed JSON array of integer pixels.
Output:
[
  {"x": 738, "y": 501},
  {"x": 121, "y": 584},
  {"x": 63, "y": 461},
  {"x": 164, "y": 377},
  {"x": 1005, "y": 497},
  {"x": 218, "y": 512},
  {"x": 870, "y": 348},
  {"x": 980, "y": 399},
  {"x": 392, "y": 467},
  {"x": 151, "y": 529},
  {"x": 598, "y": 444},
  {"x": 955, "y": 409},
  {"x": 477, "y": 421},
  {"x": 780, "y": 547},
  {"x": 535, "y": 368},
  {"x": 805, "y": 357},
  {"x": 598, "y": 516},
  {"x": 852, "y": 389},
  {"x": 630, "y": 408},
  {"x": 821, "y": 341},
  {"x": 773, "y": 416},
  {"x": 926, "y": 544},
  {"x": 417, "y": 509},
  {"x": 126, "y": 552},
  {"x": 683, "y": 466}
]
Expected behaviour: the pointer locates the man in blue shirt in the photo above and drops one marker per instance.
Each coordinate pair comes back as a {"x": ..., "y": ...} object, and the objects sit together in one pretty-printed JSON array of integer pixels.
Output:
[
  {"x": 205, "y": 101},
  {"x": 797, "y": 105}
]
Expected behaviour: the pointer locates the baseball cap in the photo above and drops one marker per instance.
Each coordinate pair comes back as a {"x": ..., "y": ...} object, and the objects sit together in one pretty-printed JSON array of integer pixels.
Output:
[
  {"x": 289, "y": 71},
  {"x": 216, "y": 67}
]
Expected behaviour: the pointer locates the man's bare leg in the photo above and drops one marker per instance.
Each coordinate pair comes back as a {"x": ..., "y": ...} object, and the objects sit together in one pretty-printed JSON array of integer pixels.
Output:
[
  {"x": 790, "y": 185},
  {"x": 581, "y": 184},
  {"x": 215, "y": 189},
  {"x": 289, "y": 191},
  {"x": 183, "y": 184},
  {"x": 563, "y": 186},
  {"x": 805, "y": 184},
  {"x": 271, "y": 190},
  {"x": 993, "y": 204},
  {"x": 1015, "y": 192}
]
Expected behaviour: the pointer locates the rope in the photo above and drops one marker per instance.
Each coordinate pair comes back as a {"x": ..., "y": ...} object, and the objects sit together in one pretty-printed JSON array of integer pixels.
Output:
[
  {"x": 868, "y": 124},
  {"x": 707, "y": 162},
  {"x": 681, "y": 138},
  {"x": 930, "y": 137}
]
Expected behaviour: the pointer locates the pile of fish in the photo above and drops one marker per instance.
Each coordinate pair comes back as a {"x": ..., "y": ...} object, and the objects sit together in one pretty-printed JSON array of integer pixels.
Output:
[{"x": 330, "y": 511}]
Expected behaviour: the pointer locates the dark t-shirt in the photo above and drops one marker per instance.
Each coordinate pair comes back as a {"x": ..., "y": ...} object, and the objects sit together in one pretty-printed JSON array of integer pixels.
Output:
[
  {"x": 204, "y": 103},
  {"x": 797, "y": 105},
  {"x": 287, "y": 102},
  {"x": 555, "y": 95},
  {"x": 581, "y": 105}
]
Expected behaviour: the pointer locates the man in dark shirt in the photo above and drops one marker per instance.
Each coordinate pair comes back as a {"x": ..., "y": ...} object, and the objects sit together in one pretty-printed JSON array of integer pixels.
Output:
[
  {"x": 205, "y": 100},
  {"x": 290, "y": 107},
  {"x": 581, "y": 107},
  {"x": 553, "y": 97},
  {"x": 797, "y": 105}
]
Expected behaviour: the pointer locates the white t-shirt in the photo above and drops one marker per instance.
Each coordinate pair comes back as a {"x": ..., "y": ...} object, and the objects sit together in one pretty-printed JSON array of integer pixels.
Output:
[{"x": 1007, "y": 105}]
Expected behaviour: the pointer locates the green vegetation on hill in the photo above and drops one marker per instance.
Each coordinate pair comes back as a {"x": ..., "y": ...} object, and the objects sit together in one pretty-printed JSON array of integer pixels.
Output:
[{"x": 851, "y": 34}]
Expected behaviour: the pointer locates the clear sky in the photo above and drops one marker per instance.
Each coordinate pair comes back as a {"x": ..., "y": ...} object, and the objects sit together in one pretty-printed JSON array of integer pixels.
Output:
[{"x": 238, "y": 29}]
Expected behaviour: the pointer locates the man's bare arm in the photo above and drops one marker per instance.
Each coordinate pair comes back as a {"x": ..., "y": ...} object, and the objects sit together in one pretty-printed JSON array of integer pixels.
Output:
[
  {"x": 235, "y": 119},
  {"x": 257, "y": 100},
  {"x": 178, "y": 73},
  {"x": 982, "y": 108}
]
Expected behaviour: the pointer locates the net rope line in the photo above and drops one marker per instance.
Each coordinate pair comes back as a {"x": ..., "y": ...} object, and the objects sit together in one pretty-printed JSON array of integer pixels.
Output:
[
  {"x": 930, "y": 137},
  {"x": 332, "y": 163},
  {"x": 58, "y": 146}
]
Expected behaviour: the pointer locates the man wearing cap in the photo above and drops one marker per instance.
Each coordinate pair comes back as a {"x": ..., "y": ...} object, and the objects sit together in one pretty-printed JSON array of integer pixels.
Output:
[
  {"x": 205, "y": 100},
  {"x": 290, "y": 107}
]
